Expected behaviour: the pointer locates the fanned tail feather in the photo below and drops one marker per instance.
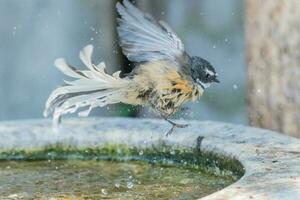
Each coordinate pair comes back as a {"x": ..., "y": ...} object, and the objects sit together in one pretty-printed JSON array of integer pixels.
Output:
[{"x": 92, "y": 88}]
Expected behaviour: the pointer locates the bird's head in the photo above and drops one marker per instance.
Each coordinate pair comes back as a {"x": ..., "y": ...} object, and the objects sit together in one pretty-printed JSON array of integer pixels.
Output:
[{"x": 202, "y": 72}]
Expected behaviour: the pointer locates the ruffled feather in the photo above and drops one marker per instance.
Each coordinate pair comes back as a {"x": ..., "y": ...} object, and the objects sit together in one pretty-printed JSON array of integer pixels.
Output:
[{"x": 91, "y": 88}]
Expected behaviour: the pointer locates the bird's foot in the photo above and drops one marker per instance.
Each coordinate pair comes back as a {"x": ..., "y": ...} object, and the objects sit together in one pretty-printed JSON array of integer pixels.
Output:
[{"x": 175, "y": 125}]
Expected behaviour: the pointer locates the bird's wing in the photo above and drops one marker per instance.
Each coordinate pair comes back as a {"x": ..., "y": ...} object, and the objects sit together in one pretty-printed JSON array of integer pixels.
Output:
[{"x": 142, "y": 38}]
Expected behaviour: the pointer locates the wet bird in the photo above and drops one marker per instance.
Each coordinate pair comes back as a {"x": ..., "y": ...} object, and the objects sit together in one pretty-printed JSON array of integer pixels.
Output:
[{"x": 165, "y": 76}]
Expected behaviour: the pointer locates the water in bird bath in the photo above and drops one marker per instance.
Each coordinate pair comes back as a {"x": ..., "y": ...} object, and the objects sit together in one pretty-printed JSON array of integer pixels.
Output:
[
  {"x": 113, "y": 172},
  {"x": 104, "y": 180}
]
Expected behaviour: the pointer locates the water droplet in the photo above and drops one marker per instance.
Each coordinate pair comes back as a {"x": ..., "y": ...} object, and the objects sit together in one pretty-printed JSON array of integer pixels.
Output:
[
  {"x": 92, "y": 28},
  {"x": 235, "y": 87},
  {"x": 92, "y": 39},
  {"x": 119, "y": 151},
  {"x": 214, "y": 46},
  {"x": 129, "y": 184},
  {"x": 15, "y": 196},
  {"x": 117, "y": 185},
  {"x": 14, "y": 30},
  {"x": 103, "y": 191},
  {"x": 226, "y": 40},
  {"x": 172, "y": 152},
  {"x": 258, "y": 90}
]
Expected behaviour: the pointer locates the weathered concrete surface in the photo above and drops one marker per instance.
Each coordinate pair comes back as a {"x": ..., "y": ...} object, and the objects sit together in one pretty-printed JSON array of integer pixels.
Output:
[{"x": 271, "y": 160}]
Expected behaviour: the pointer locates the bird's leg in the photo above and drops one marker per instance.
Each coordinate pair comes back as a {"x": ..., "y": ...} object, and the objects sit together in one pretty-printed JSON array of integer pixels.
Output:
[{"x": 174, "y": 125}]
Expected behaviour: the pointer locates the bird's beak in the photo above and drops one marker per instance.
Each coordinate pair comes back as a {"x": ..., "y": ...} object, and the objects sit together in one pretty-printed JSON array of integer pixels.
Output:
[{"x": 216, "y": 80}]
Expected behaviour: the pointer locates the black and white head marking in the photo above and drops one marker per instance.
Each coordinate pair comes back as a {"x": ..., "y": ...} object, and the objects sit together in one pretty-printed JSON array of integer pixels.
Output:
[{"x": 202, "y": 72}]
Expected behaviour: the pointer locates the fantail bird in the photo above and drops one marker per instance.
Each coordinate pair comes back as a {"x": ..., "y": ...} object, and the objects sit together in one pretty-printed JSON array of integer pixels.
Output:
[{"x": 165, "y": 76}]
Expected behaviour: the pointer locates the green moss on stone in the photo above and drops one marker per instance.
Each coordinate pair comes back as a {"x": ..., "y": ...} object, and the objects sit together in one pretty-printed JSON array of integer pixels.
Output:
[{"x": 208, "y": 162}]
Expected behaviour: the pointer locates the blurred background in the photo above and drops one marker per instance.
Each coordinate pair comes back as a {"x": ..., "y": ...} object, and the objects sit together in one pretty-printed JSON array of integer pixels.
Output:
[{"x": 34, "y": 33}]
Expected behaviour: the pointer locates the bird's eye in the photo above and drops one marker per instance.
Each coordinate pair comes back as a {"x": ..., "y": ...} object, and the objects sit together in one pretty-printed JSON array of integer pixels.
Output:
[{"x": 207, "y": 76}]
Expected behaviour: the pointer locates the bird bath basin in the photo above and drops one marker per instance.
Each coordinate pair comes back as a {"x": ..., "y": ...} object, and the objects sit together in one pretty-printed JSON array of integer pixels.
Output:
[
  {"x": 114, "y": 173},
  {"x": 123, "y": 158}
]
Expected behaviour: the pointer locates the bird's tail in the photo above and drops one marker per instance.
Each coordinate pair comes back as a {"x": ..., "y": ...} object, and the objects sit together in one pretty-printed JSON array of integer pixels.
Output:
[{"x": 92, "y": 88}]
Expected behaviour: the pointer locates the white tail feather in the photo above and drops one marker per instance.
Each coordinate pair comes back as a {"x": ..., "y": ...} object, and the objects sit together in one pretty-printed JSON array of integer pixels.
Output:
[{"x": 92, "y": 87}]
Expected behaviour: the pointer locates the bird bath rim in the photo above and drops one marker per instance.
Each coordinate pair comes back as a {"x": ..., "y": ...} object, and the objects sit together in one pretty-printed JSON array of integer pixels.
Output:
[{"x": 271, "y": 160}]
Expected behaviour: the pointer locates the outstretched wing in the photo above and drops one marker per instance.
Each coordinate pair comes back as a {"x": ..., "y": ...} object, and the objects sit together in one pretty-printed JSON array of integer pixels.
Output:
[{"x": 144, "y": 39}]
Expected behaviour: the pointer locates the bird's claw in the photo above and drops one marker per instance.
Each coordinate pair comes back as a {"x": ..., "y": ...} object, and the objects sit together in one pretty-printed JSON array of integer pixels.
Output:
[
  {"x": 175, "y": 125},
  {"x": 181, "y": 125}
]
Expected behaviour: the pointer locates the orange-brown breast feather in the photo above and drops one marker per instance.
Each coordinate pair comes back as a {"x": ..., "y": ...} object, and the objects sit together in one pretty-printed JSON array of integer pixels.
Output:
[
  {"x": 166, "y": 77},
  {"x": 175, "y": 81}
]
